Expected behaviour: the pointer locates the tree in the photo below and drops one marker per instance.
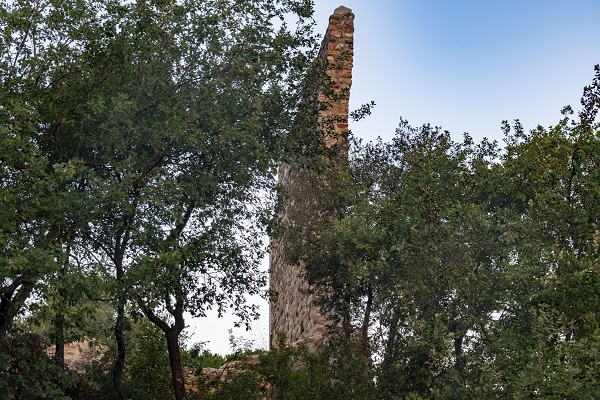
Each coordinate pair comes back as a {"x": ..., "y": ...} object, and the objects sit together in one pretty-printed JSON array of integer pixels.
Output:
[
  {"x": 41, "y": 204},
  {"x": 164, "y": 122},
  {"x": 468, "y": 271},
  {"x": 545, "y": 340},
  {"x": 427, "y": 258}
]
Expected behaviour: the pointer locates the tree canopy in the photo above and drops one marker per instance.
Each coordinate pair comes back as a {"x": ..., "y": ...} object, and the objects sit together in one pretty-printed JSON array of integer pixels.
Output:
[
  {"x": 468, "y": 270},
  {"x": 140, "y": 140}
]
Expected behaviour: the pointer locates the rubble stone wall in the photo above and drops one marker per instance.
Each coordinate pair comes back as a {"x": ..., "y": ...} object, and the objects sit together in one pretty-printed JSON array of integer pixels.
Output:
[{"x": 292, "y": 309}]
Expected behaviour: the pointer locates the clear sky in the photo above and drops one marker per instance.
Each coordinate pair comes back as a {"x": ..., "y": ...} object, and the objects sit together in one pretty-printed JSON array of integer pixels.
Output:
[{"x": 465, "y": 65}]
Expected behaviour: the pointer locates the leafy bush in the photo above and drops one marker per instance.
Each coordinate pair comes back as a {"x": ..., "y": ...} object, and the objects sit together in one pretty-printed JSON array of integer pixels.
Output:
[{"x": 26, "y": 372}]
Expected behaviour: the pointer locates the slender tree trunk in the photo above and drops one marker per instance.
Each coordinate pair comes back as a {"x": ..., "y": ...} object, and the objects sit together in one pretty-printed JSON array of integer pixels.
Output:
[
  {"x": 59, "y": 327},
  {"x": 175, "y": 360},
  {"x": 59, "y": 338},
  {"x": 11, "y": 301},
  {"x": 119, "y": 366},
  {"x": 346, "y": 326},
  {"x": 390, "y": 345},
  {"x": 3, "y": 344},
  {"x": 460, "y": 361},
  {"x": 3, "y": 336},
  {"x": 121, "y": 351},
  {"x": 4, "y": 320},
  {"x": 172, "y": 336}
]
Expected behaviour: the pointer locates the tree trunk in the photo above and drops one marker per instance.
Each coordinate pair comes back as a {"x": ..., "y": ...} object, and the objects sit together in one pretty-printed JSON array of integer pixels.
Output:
[
  {"x": 460, "y": 361},
  {"x": 172, "y": 336},
  {"x": 119, "y": 366},
  {"x": 121, "y": 351},
  {"x": 346, "y": 326},
  {"x": 3, "y": 339},
  {"x": 175, "y": 360},
  {"x": 59, "y": 339},
  {"x": 4, "y": 320},
  {"x": 389, "y": 353},
  {"x": 11, "y": 300}
]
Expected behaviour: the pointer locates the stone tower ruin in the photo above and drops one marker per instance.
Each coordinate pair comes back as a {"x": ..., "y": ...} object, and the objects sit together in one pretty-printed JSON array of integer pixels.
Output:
[{"x": 292, "y": 309}]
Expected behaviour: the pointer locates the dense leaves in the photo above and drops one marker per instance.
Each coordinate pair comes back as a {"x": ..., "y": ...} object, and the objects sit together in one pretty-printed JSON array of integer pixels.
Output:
[
  {"x": 139, "y": 144},
  {"x": 467, "y": 270}
]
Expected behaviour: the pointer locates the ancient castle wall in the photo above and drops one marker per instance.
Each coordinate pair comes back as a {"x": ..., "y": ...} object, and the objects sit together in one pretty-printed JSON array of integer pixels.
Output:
[{"x": 292, "y": 308}]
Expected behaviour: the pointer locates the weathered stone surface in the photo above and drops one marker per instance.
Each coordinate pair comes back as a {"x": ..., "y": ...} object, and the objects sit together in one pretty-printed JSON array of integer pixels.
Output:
[
  {"x": 78, "y": 355},
  {"x": 292, "y": 309}
]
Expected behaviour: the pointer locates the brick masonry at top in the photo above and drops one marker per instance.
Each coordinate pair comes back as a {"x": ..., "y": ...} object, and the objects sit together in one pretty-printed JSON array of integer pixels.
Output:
[
  {"x": 337, "y": 52},
  {"x": 292, "y": 309}
]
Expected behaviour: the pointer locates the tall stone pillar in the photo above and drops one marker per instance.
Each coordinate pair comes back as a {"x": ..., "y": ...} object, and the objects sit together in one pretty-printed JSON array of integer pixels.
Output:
[{"x": 292, "y": 309}]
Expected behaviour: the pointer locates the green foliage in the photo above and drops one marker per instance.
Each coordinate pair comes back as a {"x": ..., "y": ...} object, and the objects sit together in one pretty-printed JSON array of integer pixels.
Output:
[
  {"x": 147, "y": 369},
  {"x": 197, "y": 358},
  {"x": 469, "y": 271},
  {"x": 283, "y": 367},
  {"x": 26, "y": 372},
  {"x": 339, "y": 370},
  {"x": 139, "y": 139},
  {"x": 238, "y": 384}
]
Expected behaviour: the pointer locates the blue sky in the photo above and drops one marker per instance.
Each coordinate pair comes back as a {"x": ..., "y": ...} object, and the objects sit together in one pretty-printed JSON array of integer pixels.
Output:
[{"x": 465, "y": 65}]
